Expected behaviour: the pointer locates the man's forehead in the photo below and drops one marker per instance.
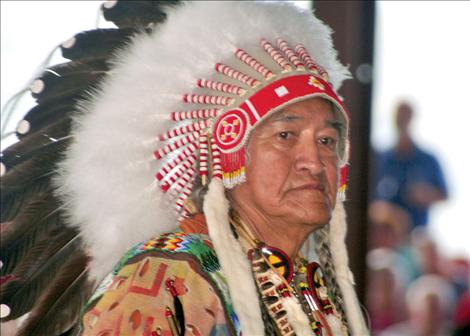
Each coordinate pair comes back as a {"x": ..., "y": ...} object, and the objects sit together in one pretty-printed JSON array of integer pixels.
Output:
[
  {"x": 293, "y": 116},
  {"x": 310, "y": 105},
  {"x": 284, "y": 115}
]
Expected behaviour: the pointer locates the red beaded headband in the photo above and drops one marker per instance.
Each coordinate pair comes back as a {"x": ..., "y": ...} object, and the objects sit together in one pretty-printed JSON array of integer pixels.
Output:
[{"x": 218, "y": 136}]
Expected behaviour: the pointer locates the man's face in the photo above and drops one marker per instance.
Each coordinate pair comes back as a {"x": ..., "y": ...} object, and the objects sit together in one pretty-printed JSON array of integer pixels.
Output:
[
  {"x": 292, "y": 164},
  {"x": 403, "y": 116}
]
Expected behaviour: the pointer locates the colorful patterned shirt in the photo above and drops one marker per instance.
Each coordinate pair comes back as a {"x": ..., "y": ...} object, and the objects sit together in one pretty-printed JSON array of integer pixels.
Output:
[{"x": 169, "y": 285}]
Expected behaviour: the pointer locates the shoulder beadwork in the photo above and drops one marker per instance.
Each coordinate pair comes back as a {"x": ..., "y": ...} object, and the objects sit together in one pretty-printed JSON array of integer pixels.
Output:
[{"x": 197, "y": 245}]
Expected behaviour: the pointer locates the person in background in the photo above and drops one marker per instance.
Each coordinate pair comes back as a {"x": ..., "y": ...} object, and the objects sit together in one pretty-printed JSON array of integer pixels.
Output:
[
  {"x": 430, "y": 300},
  {"x": 408, "y": 176},
  {"x": 385, "y": 297},
  {"x": 406, "y": 182}
]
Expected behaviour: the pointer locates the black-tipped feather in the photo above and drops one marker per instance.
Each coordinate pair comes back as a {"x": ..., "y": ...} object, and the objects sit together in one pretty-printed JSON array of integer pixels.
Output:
[
  {"x": 63, "y": 85},
  {"x": 15, "y": 203},
  {"x": 22, "y": 184},
  {"x": 46, "y": 114},
  {"x": 51, "y": 148},
  {"x": 90, "y": 65},
  {"x": 34, "y": 223},
  {"x": 37, "y": 269},
  {"x": 44, "y": 110},
  {"x": 31, "y": 144},
  {"x": 96, "y": 44},
  {"x": 69, "y": 289},
  {"x": 72, "y": 84},
  {"x": 138, "y": 14}
]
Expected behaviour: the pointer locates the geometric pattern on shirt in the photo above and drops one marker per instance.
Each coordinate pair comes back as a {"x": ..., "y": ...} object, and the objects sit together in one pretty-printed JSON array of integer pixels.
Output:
[
  {"x": 198, "y": 246},
  {"x": 136, "y": 300}
]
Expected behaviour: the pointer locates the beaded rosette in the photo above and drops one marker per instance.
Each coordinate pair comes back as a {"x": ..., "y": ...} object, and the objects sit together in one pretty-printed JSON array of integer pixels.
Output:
[
  {"x": 209, "y": 141},
  {"x": 281, "y": 285}
]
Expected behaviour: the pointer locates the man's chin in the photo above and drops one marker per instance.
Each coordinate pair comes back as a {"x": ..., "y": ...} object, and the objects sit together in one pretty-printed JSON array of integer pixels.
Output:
[
  {"x": 318, "y": 223},
  {"x": 314, "y": 219},
  {"x": 316, "y": 213},
  {"x": 319, "y": 212},
  {"x": 315, "y": 206}
]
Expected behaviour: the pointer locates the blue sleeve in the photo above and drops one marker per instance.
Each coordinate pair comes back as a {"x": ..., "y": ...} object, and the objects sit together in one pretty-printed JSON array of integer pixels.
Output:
[{"x": 437, "y": 174}]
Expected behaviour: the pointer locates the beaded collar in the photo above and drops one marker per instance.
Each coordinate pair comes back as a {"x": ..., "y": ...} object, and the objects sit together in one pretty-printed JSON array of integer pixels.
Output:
[{"x": 295, "y": 294}]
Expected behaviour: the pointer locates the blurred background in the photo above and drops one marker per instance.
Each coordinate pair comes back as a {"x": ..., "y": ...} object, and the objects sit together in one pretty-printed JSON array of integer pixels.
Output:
[{"x": 409, "y": 235}]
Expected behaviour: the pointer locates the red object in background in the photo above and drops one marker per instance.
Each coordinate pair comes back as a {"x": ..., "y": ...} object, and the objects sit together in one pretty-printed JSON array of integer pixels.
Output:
[{"x": 462, "y": 310}]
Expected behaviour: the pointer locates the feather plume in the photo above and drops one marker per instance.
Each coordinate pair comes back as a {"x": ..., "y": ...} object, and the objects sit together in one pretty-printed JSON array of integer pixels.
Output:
[
  {"x": 59, "y": 82},
  {"x": 15, "y": 202},
  {"x": 59, "y": 307},
  {"x": 70, "y": 84},
  {"x": 36, "y": 162},
  {"x": 47, "y": 114},
  {"x": 67, "y": 68},
  {"x": 95, "y": 44},
  {"x": 37, "y": 269},
  {"x": 31, "y": 146},
  {"x": 29, "y": 176},
  {"x": 33, "y": 223},
  {"x": 137, "y": 13}
]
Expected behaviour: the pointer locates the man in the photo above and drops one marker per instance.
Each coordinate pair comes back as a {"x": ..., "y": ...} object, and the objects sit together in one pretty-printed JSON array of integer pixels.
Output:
[
  {"x": 407, "y": 176},
  {"x": 216, "y": 141},
  {"x": 276, "y": 142}
]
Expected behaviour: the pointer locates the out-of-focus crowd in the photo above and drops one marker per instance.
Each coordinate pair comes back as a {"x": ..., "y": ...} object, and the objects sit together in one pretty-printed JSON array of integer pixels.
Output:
[{"x": 413, "y": 289}]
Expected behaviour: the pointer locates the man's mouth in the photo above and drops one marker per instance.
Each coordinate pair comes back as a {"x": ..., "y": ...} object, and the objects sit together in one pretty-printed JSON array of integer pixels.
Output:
[{"x": 311, "y": 186}]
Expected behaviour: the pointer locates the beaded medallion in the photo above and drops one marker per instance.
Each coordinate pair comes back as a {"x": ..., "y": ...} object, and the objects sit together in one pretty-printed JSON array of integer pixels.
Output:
[{"x": 278, "y": 278}]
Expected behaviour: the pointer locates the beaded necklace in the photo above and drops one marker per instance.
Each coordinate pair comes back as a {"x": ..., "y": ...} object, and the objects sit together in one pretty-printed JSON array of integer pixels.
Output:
[{"x": 295, "y": 294}]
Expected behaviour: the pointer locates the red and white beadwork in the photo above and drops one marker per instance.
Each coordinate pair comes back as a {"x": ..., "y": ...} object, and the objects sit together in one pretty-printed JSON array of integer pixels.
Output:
[
  {"x": 276, "y": 55},
  {"x": 291, "y": 55},
  {"x": 186, "y": 155},
  {"x": 204, "y": 99},
  {"x": 222, "y": 87},
  {"x": 212, "y": 145},
  {"x": 230, "y": 129},
  {"x": 178, "y": 175},
  {"x": 250, "y": 61},
  {"x": 195, "y": 114},
  {"x": 216, "y": 166},
  {"x": 305, "y": 57},
  {"x": 235, "y": 74},
  {"x": 203, "y": 156},
  {"x": 197, "y": 126},
  {"x": 171, "y": 147}
]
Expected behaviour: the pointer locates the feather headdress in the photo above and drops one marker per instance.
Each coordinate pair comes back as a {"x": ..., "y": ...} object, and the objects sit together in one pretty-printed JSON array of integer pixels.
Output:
[
  {"x": 128, "y": 121},
  {"x": 181, "y": 101}
]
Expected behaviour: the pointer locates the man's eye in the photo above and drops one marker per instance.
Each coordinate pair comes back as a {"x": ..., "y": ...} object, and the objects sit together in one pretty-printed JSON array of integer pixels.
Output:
[
  {"x": 284, "y": 135},
  {"x": 327, "y": 141}
]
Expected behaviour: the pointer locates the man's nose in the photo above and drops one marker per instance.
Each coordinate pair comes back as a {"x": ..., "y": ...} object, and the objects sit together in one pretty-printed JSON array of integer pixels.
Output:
[{"x": 307, "y": 157}]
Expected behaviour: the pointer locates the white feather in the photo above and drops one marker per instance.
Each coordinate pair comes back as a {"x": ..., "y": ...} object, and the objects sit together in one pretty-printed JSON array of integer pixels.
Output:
[
  {"x": 344, "y": 276},
  {"x": 296, "y": 316},
  {"x": 335, "y": 325}
]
